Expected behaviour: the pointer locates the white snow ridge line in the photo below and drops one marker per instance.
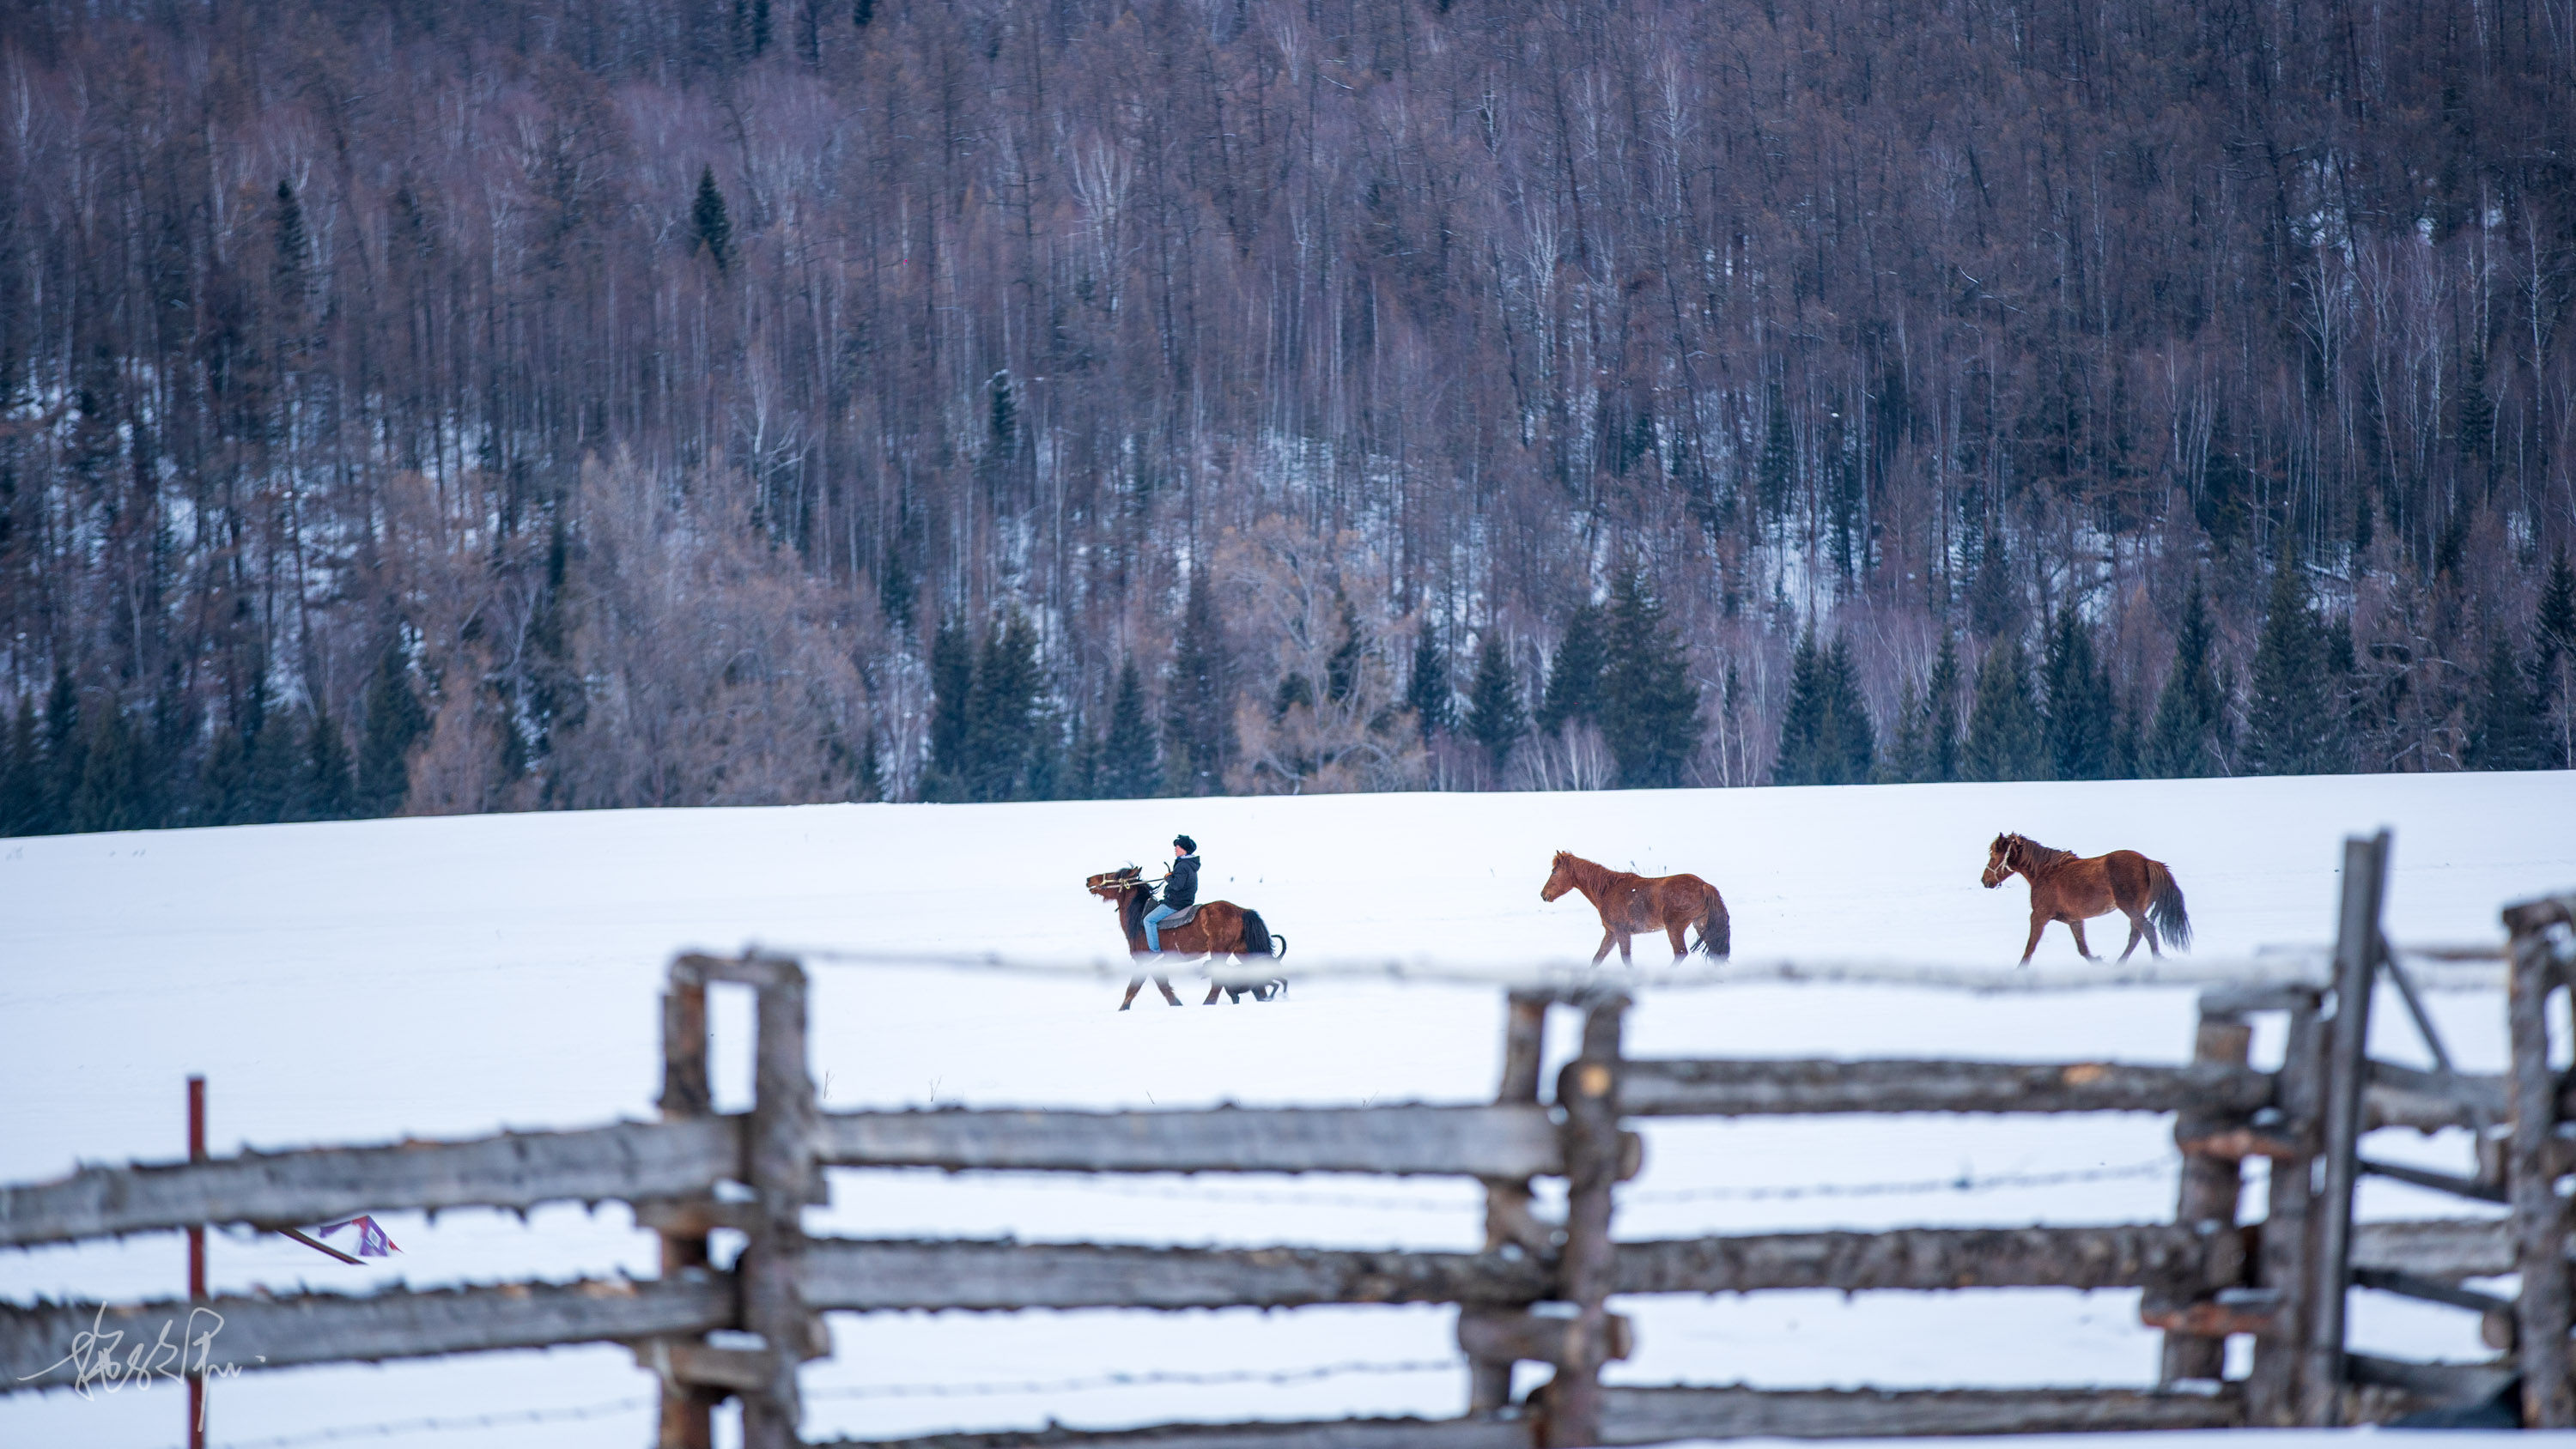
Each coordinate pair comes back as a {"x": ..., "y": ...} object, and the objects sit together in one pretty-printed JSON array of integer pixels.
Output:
[{"x": 2447, "y": 968}]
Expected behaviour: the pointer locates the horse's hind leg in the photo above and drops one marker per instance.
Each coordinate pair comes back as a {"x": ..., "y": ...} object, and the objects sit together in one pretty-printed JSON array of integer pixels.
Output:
[
  {"x": 2080, "y": 948},
  {"x": 2137, "y": 932},
  {"x": 1213, "y": 990},
  {"x": 1608, "y": 938},
  {"x": 1681, "y": 945},
  {"x": 1133, "y": 986},
  {"x": 1164, "y": 984}
]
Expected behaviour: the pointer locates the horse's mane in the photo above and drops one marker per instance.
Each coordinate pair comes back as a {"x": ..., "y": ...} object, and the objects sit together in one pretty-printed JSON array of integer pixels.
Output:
[
  {"x": 2034, "y": 856},
  {"x": 1590, "y": 874}
]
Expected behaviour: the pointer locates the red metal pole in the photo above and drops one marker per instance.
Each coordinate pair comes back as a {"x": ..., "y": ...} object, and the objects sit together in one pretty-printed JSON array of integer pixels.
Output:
[{"x": 197, "y": 1259}]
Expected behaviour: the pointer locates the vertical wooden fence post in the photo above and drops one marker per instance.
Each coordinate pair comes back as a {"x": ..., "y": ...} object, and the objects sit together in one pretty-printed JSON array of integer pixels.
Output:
[
  {"x": 196, "y": 1260},
  {"x": 2540, "y": 1217},
  {"x": 2356, "y": 967},
  {"x": 687, "y": 1408},
  {"x": 2206, "y": 1203},
  {"x": 1507, "y": 1200},
  {"x": 2285, "y": 1268},
  {"x": 1588, "y": 1090},
  {"x": 784, "y": 1178}
]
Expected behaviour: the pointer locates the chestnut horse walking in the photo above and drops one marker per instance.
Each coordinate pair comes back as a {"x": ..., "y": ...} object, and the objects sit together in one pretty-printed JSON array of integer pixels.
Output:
[
  {"x": 1221, "y": 928},
  {"x": 2073, "y": 889},
  {"x": 1633, "y": 903}
]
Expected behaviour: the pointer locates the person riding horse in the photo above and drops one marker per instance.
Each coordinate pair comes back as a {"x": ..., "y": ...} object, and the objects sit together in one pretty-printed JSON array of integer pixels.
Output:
[{"x": 1180, "y": 891}]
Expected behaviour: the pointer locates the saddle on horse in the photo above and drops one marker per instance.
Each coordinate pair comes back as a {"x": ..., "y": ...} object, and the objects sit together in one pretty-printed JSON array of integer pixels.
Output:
[{"x": 1181, "y": 917}]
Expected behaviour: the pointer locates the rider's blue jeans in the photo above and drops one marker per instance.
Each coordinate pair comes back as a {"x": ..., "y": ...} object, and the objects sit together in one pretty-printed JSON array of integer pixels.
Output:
[{"x": 1153, "y": 922}]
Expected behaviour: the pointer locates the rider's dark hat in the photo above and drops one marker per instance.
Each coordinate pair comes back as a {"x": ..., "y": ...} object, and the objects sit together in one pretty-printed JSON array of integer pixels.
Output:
[{"x": 1185, "y": 843}]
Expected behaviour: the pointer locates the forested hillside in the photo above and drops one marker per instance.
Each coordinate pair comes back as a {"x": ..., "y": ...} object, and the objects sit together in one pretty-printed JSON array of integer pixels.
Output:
[{"x": 464, "y": 406}]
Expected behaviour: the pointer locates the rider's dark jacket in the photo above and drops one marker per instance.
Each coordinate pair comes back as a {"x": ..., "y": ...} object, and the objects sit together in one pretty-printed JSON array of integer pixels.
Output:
[{"x": 1181, "y": 887}]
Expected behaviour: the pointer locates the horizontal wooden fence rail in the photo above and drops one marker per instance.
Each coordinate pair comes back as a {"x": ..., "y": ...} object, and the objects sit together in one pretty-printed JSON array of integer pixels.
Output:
[
  {"x": 514, "y": 1170},
  {"x": 1468, "y": 1141},
  {"x": 659, "y": 1160},
  {"x": 1660, "y": 1415},
  {"x": 37, "y": 1345},
  {"x": 1749, "y": 1087},
  {"x": 44, "y": 1347}
]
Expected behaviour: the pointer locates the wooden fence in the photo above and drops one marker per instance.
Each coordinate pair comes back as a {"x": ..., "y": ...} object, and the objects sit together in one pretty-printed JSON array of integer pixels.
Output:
[{"x": 1540, "y": 1290}]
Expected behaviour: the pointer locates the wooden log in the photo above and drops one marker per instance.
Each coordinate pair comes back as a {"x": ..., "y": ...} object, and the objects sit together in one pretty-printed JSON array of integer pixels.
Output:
[
  {"x": 2430, "y": 1290},
  {"x": 2442, "y": 1383},
  {"x": 687, "y": 1398},
  {"x": 2272, "y": 1395},
  {"x": 1470, "y": 1433},
  {"x": 512, "y": 1170},
  {"x": 1509, "y": 1221},
  {"x": 48, "y": 1346},
  {"x": 2205, "y": 1205},
  {"x": 2540, "y": 1221},
  {"x": 2357, "y": 951},
  {"x": 784, "y": 1176},
  {"x": 697, "y": 1366},
  {"x": 1921, "y": 1259},
  {"x": 2411, "y": 1097},
  {"x": 1743, "y": 1088},
  {"x": 2451, "y": 1248},
  {"x": 869, "y": 1276},
  {"x": 1655, "y": 1416},
  {"x": 1478, "y": 1141},
  {"x": 2450, "y": 1182},
  {"x": 1588, "y": 1093},
  {"x": 1568, "y": 1343}
]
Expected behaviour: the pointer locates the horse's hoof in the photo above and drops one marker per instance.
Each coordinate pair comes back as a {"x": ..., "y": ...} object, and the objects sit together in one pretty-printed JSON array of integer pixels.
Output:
[{"x": 1122, "y": 1006}]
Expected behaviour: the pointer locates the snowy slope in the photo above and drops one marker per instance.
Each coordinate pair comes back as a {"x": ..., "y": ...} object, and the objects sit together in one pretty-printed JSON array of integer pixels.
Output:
[{"x": 358, "y": 982}]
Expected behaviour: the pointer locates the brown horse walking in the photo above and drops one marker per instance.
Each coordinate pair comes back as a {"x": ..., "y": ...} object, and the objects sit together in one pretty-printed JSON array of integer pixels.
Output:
[
  {"x": 2073, "y": 889},
  {"x": 1633, "y": 903},
  {"x": 1219, "y": 928}
]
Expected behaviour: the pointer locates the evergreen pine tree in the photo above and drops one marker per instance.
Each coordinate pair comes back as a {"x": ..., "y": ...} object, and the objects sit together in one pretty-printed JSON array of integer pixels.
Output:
[
  {"x": 173, "y": 727},
  {"x": 1855, "y": 737},
  {"x": 274, "y": 776},
  {"x": 1777, "y": 472},
  {"x": 1131, "y": 767},
  {"x": 1494, "y": 716},
  {"x": 2078, "y": 723},
  {"x": 1802, "y": 724},
  {"x": 109, "y": 794},
  {"x": 2290, "y": 712},
  {"x": 1649, "y": 707},
  {"x": 1003, "y": 731},
  {"x": 952, "y": 686},
  {"x": 1426, "y": 691},
  {"x": 1909, "y": 757},
  {"x": 395, "y": 723},
  {"x": 2188, "y": 738},
  {"x": 2553, "y": 665},
  {"x": 710, "y": 227},
  {"x": 66, "y": 754},
  {"x": 1199, "y": 705},
  {"x": 329, "y": 791},
  {"x": 1941, "y": 715},
  {"x": 2004, "y": 740},
  {"x": 2504, "y": 719},
  {"x": 21, "y": 778},
  {"x": 1342, "y": 670},
  {"x": 1573, "y": 692}
]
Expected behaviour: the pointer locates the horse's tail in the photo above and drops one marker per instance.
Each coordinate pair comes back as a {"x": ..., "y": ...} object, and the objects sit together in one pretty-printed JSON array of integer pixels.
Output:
[
  {"x": 1716, "y": 934},
  {"x": 2166, "y": 910},
  {"x": 1256, "y": 935}
]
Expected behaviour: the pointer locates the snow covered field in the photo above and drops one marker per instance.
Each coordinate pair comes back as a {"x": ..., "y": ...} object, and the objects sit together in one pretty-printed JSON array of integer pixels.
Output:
[{"x": 441, "y": 977}]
